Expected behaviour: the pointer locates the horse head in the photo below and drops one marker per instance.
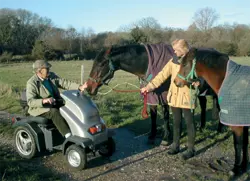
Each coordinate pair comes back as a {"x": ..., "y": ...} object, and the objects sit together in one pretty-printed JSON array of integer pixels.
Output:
[
  {"x": 102, "y": 71},
  {"x": 187, "y": 71},
  {"x": 202, "y": 62}
]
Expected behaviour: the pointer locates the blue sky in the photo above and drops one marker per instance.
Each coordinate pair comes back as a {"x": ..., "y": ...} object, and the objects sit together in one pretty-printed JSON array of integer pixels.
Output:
[{"x": 110, "y": 15}]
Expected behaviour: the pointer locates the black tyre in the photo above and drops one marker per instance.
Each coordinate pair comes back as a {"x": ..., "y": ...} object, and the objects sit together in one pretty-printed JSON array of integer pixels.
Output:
[
  {"x": 25, "y": 142},
  {"x": 76, "y": 157},
  {"x": 108, "y": 149}
]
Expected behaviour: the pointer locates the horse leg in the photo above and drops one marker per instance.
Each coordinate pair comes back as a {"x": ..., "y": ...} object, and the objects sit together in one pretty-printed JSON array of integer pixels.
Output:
[
  {"x": 217, "y": 106},
  {"x": 167, "y": 132},
  {"x": 238, "y": 145},
  {"x": 153, "y": 114},
  {"x": 245, "y": 149},
  {"x": 203, "y": 105}
]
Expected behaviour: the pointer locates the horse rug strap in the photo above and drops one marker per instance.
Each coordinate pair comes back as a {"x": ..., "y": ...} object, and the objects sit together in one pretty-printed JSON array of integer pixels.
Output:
[
  {"x": 158, "y": 56},
  {"x": 234, "y": 95}
]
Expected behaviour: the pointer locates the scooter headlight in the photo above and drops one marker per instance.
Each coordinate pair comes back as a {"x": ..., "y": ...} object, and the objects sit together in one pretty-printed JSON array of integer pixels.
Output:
[{"x": 97, "y": 129}]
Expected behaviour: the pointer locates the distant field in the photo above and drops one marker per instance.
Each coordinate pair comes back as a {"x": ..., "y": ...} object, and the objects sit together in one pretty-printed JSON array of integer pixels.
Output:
[
  {"x": 241, "y": 60},
  {"x": 116, "y": 108}
]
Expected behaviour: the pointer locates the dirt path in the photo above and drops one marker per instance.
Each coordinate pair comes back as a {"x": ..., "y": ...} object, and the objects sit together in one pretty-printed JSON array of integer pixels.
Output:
[{"x": 135, "y": 160}]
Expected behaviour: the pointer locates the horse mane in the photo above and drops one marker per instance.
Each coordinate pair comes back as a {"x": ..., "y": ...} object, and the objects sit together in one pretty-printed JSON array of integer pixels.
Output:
[{"x": 210, "y": 57}]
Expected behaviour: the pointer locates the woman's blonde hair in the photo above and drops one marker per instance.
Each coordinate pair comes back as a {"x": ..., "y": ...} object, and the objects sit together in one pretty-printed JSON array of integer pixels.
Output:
[{"x": 181, "y": 44}]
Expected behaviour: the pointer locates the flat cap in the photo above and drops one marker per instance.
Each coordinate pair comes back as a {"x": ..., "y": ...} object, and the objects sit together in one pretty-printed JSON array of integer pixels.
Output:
[{"x": 38, "y": 64}]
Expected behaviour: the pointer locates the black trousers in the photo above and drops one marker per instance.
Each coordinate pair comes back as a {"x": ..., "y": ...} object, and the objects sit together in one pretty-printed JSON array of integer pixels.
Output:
[
  {"x": 58, "y": 120},
  {"x": 188, "y": 116}
]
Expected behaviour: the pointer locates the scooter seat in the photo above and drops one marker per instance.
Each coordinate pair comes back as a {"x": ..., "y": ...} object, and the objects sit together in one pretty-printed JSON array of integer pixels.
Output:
[{"x": 37, "y": 119}]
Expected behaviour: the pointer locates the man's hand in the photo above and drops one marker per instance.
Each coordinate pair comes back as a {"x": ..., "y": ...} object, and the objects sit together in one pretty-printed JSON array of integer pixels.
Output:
[
  {"x": 50, "y": 100},
  {"x": 83, "y": 87},
  {"x": 144, "y": 90}
]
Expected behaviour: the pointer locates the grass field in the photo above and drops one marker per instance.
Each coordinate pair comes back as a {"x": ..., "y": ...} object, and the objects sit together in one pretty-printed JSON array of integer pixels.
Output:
[{"x": 117, "y": 109}]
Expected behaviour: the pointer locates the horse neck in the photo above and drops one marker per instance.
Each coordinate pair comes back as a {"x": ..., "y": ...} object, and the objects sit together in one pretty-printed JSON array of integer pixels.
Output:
[
  {"x": 133, "y": 59},
  {"x": 213, "y": 76}
]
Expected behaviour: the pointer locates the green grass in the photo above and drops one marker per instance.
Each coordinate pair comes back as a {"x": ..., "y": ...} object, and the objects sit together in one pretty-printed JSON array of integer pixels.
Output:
[{"x": 241, "y": 60}]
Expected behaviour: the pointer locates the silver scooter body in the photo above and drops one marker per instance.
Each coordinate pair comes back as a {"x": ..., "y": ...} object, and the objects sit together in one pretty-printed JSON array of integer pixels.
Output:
[{"x": 81, "y": 113}]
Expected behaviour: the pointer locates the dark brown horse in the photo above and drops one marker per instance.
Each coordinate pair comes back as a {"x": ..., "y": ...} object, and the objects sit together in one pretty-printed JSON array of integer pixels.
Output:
[
  {"x": 221, "y": 74},
  {"x": 133, "y": 59}
]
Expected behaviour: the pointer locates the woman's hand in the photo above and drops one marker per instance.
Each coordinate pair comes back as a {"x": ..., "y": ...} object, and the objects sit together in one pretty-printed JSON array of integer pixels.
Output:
[
  {"x": 144, "y": 90},
  {"x": 196, "y": 84}
]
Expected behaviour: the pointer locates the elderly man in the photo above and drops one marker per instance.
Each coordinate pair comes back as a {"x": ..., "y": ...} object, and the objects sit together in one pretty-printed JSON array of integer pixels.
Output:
[{"x": 43, "y": 96}]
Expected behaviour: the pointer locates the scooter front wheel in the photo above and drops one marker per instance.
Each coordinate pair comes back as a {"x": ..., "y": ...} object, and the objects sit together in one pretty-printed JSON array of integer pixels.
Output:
[
  {"x": 76, "y": 157},
  {"x": 25, "y": 142}
]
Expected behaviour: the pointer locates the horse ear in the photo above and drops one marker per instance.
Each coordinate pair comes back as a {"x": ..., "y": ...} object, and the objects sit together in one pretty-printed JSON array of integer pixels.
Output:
[
  {"x": 193, "y": 51},
  {"x": 108, "y": 51}
]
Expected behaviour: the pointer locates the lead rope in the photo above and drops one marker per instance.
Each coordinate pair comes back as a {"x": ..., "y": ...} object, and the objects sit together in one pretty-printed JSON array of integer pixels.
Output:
[{"x": 144, "y": 112}]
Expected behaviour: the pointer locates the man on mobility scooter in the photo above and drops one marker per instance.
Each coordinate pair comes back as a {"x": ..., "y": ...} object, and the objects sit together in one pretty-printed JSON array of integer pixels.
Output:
[
  {"x": 79, "y": 128},
  {"x": 43, "y": 96}
]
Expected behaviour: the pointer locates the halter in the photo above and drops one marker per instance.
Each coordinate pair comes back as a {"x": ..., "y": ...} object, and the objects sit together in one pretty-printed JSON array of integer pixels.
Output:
[
  {"x": 112, "y": 69},
  {"x": 190, "y": 77}
]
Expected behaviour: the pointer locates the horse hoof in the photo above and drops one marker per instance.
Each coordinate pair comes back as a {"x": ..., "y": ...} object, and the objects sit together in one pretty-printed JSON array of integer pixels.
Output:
[
  {"x": 173, "y": 150},
  {"x": 188, "y": 154}
]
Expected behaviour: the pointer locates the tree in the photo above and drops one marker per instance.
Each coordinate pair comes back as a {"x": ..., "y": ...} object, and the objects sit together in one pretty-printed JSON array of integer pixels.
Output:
[
  {"x": 205, "y": 18},
  {"x": 41, "y": 50},
  {"x": 55, "y": 38},
  {"x": 19, "y": 30},
  {"x": 147, "y": 29},
  {"x": 71, "y": 35},
  {"x": 138, "y": 36}
]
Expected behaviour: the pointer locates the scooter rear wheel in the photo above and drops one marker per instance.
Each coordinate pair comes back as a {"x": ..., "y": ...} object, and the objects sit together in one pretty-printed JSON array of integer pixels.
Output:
[
  {"x": 76, "y": 157},
  {"x": 25, "y": 142}
]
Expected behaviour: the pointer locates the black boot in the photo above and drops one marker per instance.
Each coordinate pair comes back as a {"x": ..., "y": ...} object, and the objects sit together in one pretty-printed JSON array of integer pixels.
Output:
[
  {"x": 166, "y": 139},
  {"x": 153, "y": 114},
  {"x": 191, "y": 139},
  {"x": 174, "y": 149},
  {"x": 188, "y": 154}
]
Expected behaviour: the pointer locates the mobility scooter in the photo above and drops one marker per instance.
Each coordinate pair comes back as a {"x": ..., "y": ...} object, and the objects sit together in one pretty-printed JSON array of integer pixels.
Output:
[{"x": 34, "y": 135}]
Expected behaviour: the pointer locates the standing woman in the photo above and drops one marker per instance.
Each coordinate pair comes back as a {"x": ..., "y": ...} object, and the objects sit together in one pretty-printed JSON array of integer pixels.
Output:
[{"x": 179, "y": 99}]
